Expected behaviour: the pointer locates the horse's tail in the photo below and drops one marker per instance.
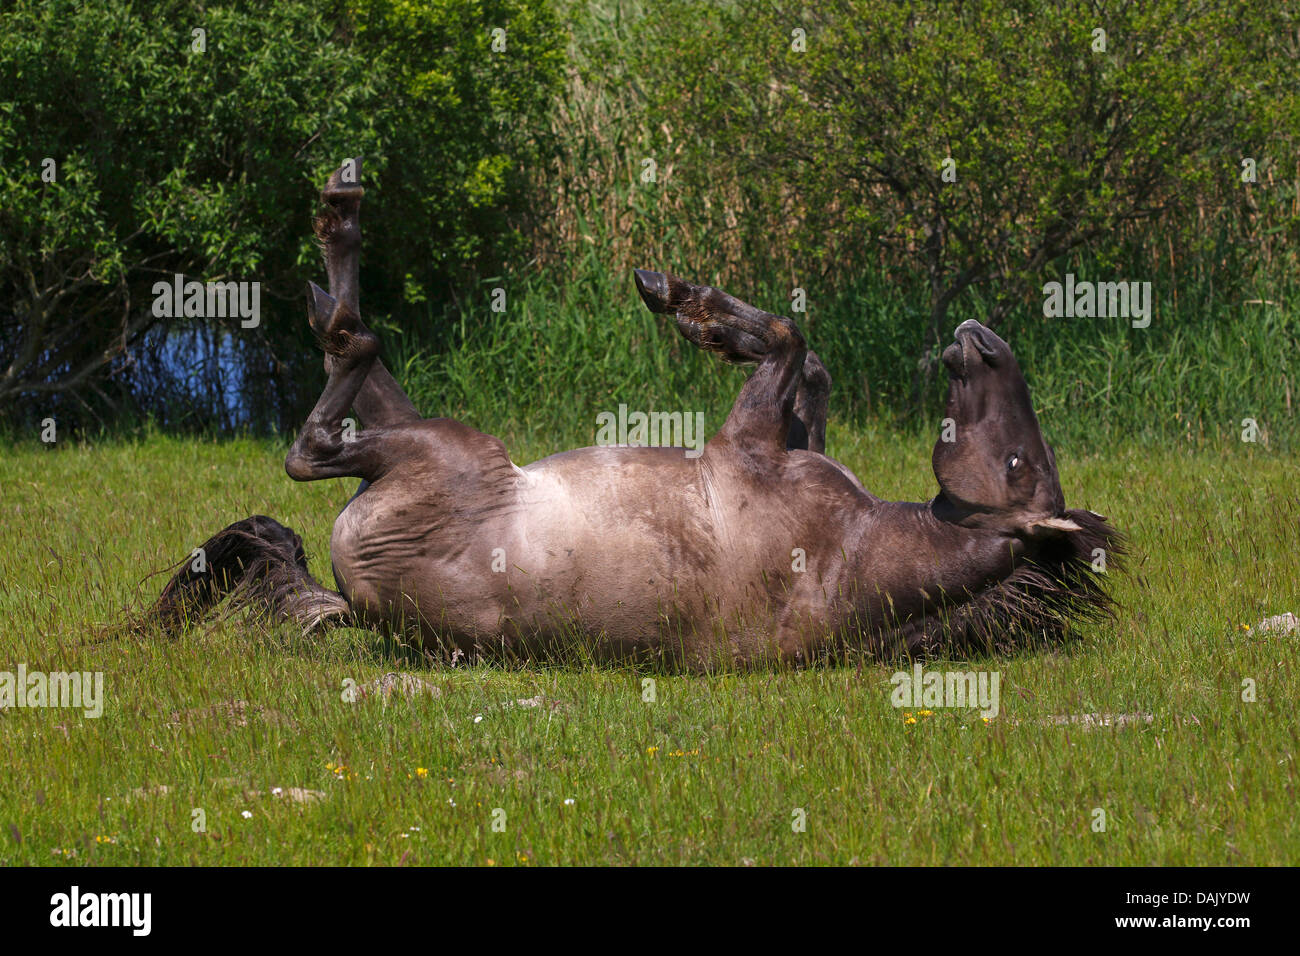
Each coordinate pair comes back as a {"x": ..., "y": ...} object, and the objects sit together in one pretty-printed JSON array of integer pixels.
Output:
[{"x": 261, "y": 565}]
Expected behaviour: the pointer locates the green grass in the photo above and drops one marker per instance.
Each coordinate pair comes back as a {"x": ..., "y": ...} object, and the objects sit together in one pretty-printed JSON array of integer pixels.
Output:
[{"x": 1211, "y": 780}]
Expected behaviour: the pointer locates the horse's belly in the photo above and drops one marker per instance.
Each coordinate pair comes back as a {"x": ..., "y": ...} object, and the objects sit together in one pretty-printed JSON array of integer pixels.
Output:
[{"x": 642, "y": 560}]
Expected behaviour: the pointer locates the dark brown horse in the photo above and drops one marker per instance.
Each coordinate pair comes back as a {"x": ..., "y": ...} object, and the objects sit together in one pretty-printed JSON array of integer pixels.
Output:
[{"x": 760, "y": 548}]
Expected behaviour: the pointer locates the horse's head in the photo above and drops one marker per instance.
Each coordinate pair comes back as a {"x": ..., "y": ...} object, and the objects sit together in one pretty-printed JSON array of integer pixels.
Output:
[{"x": 994, "y": 469}]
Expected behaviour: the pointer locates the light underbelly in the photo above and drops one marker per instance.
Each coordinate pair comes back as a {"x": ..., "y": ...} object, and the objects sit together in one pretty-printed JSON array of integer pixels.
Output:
[{"x": 639, "y": 563}]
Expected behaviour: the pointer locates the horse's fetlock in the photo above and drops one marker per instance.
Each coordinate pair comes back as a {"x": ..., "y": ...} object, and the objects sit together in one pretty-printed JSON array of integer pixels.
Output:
[{"x": 364, "y": 345}]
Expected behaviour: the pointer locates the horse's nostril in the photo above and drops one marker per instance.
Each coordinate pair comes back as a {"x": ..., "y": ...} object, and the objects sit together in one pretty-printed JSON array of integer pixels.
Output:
[
  {"x": 984, "y": 347},
  {"x": 980, "y": 337}
]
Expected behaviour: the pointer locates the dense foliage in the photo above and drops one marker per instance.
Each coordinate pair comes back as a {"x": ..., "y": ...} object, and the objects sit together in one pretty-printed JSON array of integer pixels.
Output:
[
  {"x": 133, "y": 147},
  {"x": 893, "y": 168}
]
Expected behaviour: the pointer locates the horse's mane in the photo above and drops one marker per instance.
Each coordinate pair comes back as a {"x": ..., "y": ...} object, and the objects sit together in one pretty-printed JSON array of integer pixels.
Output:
[{"x": 1035, "y": 605}]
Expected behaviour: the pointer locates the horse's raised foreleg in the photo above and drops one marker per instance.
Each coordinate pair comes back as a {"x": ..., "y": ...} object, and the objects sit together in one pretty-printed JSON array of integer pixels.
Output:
[
  {"x": 785, "y": 400},
  {"x": 743, "y": 335},
  {"x": 381, "y": 400}
]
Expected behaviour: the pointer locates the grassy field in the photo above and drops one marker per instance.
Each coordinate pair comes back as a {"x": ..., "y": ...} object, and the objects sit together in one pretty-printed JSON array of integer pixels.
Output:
[{"x": 712, "y": 772}]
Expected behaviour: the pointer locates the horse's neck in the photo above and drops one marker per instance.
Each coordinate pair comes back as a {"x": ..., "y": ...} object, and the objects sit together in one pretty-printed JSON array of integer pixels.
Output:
[{"x": 924, "y": 558}]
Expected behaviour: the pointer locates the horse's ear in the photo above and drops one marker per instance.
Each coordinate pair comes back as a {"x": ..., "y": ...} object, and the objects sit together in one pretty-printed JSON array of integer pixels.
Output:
[
  {"x": 1062, "y": 525},
  {"x": 320, "y": 304}
]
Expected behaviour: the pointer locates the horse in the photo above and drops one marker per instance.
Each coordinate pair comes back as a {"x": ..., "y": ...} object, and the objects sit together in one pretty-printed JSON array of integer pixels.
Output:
[{"x": 760, "y": 548}]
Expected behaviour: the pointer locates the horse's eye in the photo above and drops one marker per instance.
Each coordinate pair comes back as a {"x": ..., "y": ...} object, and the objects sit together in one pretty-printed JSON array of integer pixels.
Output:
[{"x": 1014, "y": 463}]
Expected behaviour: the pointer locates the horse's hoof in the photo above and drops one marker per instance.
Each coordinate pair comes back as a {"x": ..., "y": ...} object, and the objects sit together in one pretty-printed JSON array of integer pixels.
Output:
[
  {"x": 320, "y": 304},
  {"x": 344, "y": 185},
  {"x": 653, "y": 287}
]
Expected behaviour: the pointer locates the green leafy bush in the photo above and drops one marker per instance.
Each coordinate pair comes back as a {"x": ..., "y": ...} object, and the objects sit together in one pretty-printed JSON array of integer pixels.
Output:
[{"x": 176, "y": 151}]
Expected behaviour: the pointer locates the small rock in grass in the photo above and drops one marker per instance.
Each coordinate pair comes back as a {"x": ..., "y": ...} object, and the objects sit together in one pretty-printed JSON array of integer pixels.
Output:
[
  {"x": 1286, "y": 623},
  {"x": 233, "y": 713},
  {"x": 300, "y": 794},
  {"x": 1089, "y": 721},
  {"x": 292, "y": 794},
  {"x": 526, "y": 703},
  {"x": 500, "y": 775},
  {"x": 158, "y": 790},
  {"x": 408, "y": 685}
]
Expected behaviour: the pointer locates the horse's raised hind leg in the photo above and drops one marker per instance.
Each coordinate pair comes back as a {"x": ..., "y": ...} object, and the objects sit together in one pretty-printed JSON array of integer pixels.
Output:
[
  {"x": 743, "y": 335},
  {"x": 321, "y": 450},
  {"x": 762, "y": 417},
  {"x": 258, "y": 562},
  {"x": 381, "y": 400}
]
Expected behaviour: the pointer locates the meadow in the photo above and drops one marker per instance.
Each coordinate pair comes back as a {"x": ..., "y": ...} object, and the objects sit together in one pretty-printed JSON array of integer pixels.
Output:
[
  {"x": 247, "y": 729},
  {"x": 510, "y": 192}
]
